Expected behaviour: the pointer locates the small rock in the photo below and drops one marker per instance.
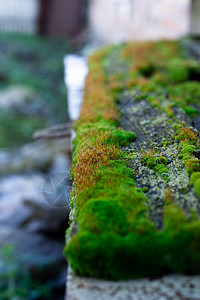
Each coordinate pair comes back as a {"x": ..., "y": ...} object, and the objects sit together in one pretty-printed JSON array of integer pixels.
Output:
[
  {"x": 22, "y": 205},
  {"x": 15, "y": 96},
  {"x": 143, "y": 122},
  {"x": 39, "y": 155}
]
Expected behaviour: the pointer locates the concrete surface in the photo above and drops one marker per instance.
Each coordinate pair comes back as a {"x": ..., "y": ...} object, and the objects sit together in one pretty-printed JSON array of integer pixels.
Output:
[{"x": 171, "y": 287}]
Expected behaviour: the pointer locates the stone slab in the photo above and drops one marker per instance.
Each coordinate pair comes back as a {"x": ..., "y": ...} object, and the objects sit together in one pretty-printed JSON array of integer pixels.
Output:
[{"x": 172, "y": 287}]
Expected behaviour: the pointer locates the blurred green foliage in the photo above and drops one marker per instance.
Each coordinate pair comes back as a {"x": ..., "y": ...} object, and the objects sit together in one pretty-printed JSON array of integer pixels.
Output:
[
  {"x": 37, "y": 63},
  {"x": 16, "y": 282}
]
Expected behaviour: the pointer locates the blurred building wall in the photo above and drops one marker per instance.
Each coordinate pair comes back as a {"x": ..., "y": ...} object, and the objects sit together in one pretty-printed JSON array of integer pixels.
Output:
[
  {"x": 121, "y": 20},
  {"x": 61, "y": 17},
  {"x": 48, "y": 17},
  {"x": 19, "y": 15}
]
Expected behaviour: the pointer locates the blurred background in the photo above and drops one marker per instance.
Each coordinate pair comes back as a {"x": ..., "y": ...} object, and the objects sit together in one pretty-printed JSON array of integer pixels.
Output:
[
  {"x": 35, "y": 36},
  {"x": 106, "y": 21}
]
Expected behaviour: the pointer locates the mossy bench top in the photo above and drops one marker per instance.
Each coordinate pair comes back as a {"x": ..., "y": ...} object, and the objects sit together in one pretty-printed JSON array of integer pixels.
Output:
[{"x": 136, "y": 169}]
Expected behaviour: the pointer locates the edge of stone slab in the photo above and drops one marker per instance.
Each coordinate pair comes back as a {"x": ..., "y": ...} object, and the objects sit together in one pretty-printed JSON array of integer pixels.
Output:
[{"x": 168, "y": 287}]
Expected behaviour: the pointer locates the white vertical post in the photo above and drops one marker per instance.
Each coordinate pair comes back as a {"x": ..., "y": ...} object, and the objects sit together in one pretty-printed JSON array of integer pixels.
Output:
[{"x": 75, "y": 72}]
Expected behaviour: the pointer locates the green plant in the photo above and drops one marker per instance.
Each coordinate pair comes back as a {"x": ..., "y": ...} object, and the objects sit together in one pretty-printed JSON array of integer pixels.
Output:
[
  {"x": 24, "y": 61},
  {"x": 16, "y": 281}
]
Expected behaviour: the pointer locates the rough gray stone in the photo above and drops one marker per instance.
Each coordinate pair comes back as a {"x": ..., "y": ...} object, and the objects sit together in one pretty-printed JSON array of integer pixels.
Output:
[
  {"x": 22, "y": 205},
  {"x": 15, "y": 96},
  {"x": 172, "y": 287},
  {"x": 38, "y": 155}
]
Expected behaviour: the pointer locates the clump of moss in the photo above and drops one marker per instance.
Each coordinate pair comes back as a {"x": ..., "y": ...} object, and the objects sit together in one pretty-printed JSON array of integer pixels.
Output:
[
  {"x": 152, "y": 161},
  {"x": 99, "y": 101},
  {"x": 161, "y": 168},
  {"x": 145, "y": 189},
  {"x": 100, "y": 215},
  {"x": 187, "y": 152},
  {"x": 195, "y": 181},
  {"x": 182, "y": 69},
  {"x": 158, "y": 66},
  {"x": 189, "y": 110},
  {"x": 185, "y": 94},
  {"x": 129, "y": 155},
  {"x": 186, "y": 136},
  {"x": 168, "y": 196},
  {"x": 194, "y": 177},
  {"x": 190, "y": 143},
  {"x": 123, "y": 138},
  {"x": 174, "y": 218},
  {"x": 188, "y": 149},
  {"x": 197, "y": 187}
]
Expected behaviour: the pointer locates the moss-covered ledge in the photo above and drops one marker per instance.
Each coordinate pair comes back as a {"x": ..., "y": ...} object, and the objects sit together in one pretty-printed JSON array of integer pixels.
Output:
[{"x": 116, "y": 236}]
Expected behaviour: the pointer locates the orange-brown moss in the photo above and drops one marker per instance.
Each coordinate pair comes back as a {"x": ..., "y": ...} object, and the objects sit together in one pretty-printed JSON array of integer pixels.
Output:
[
  {"x": 90, "y": 157},
  {"x": 186, "y": 135}
]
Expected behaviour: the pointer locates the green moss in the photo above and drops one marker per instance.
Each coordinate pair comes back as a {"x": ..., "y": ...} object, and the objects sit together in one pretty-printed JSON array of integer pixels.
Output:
[
  {"x": 129, "y": 155},
  {"x": 161, "y": 168},
  {"x": 177, "y": 71},
  {"x": 184, "y": 249},
  {"x": 188, "y": 149},
  {"x": 116, "y": 238},
  {"x": 123, "y": 138},
  {"x": 189, "y": 110},
  {"x": 157, "y": 163},
  {"x": 103, "y": 215},
  {"x": 116, "y": 136},
  {"x": 174, "y": 219},
  {"x": 145, "y": 189},
  {"x": 192, "y": 165},
  {"x": 182, "y": 69},
  {"x": 186, "y": 136},
  {"x": 185, "y": 94},
  {"x": 184, "y": 190},
  {"x": 166, "y": 178},
  {"x": 124, "y": 256},
  {"x": 194, "y": 177},
  {"x": 147, "y": 69},
  {"x": 197, "y": 186}
]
